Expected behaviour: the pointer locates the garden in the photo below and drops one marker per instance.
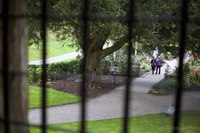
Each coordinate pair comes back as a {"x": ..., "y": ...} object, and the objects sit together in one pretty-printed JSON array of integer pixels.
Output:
[
  {"x": 65, "y": 78},
  {"x": 191, "y": 79}
]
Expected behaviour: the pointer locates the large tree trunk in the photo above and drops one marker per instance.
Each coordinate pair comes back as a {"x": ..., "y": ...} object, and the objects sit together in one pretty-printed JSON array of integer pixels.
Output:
[
  {"x": 93, "y": 69},
  {"x": 96, "y": 53},
  {"x": 17, "y": 66}
]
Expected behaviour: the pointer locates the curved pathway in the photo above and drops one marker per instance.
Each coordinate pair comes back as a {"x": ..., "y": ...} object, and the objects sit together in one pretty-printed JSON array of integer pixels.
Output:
[
  {"x": 56, "y": 58},
  {"x": 111, "y": 105}
]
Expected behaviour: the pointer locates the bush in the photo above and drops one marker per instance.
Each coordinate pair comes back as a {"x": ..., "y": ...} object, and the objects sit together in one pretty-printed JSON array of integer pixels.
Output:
[
  {"x": 164, "y": 87},
  {"x": 138, "y": 63},
  {"x": 195, "y": 80},
  {"x": 105, "y": 66},
  {"x": 192, "y": 72},
  {"x": 34, "y": 73},
  {"x": 54, "y": 70},
  {"x": 145, "y": 65},
  {"x": 121, "y": 63},
  {"x": 167, "y": 55}
]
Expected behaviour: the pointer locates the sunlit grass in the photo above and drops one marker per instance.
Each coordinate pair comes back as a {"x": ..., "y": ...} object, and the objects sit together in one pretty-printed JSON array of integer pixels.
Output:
[
  {"x": 155, "y": 123},
  {"x": 35, "y": 52},
  {"x": 54, "y": 48},
  {"x": 54, "y": 97}
]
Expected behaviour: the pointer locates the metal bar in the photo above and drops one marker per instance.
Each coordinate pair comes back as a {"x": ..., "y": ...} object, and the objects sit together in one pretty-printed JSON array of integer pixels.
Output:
[
  {"x": 103, "y": 17},
  {"x": 110, "y": 18},
  {"x": 182, "y": 44},
  {"x": 5, "y": 66},
  {"x": 44, "y": 68},
  {"x": 84, "y": 69},
  {"x": 127, "y": 95}
]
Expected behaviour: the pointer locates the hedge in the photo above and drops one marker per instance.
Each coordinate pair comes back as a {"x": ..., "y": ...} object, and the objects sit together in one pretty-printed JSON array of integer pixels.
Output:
[
  {"x": 54, "y": 70},
  {"x": 63, "y": 70}
]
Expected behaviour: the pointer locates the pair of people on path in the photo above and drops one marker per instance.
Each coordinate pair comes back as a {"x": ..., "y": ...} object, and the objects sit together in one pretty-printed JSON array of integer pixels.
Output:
[{"x": 156, "y": 65}]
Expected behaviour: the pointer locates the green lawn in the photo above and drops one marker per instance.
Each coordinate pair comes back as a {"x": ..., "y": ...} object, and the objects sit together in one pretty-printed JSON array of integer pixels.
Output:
[
  {"x": 54, "y": 48},
  {"x": 54, "y": 97},
  {"x": 155, "y": 123},
  {"x": 34, "y": 53}
]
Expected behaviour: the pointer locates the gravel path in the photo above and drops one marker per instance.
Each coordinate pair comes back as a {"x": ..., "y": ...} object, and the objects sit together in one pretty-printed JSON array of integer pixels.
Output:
[{"x": 111, "y": 105}]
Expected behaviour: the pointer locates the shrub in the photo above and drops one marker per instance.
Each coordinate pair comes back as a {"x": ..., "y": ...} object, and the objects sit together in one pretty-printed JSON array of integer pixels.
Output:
[
  {"x": 138, "y": 63},
  {"x": 192, "y": 70},
  {"x": 164, "y": 87},
  {"x": 34, "y": 73},
  {"x": 121, "y": 63},
  {"x": 105, "y": 66},
  {"x": 54, "y": 70},
  {"x": 167, "y": 55}
]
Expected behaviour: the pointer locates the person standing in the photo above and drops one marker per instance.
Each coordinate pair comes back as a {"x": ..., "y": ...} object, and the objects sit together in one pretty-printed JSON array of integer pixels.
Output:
[
  {"x": 159, "y": 63},
  {"x": 155, "y": 52},
  {"x": 153, "y": 65}
]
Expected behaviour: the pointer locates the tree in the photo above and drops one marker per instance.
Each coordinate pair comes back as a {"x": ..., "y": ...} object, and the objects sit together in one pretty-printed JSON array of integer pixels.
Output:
[
  {"x": 17, "y": 64},
  {"x": 151, "y": 34},
  {"x": 165, "y": 34},
  {"x": 100, "y": 31}
]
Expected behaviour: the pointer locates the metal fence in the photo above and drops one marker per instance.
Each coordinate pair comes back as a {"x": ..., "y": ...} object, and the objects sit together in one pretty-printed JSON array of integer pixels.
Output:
[{"x": 182, "y": 20}]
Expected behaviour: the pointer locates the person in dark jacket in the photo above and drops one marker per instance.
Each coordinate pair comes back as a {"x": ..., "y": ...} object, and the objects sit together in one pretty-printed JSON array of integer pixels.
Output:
[{"x": 153, "y": 65}]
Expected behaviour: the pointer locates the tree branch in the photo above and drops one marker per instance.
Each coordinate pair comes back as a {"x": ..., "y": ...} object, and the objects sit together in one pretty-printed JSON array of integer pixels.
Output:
[
  {"x": 97, "y": 44},
  {"x": 117, "y": 45}
]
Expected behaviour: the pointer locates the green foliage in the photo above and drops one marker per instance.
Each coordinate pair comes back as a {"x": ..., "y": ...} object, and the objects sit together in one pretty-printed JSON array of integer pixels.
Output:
[
  {"x": 144, "y": 63},
  {"x": 150, "y": 35},
  {"x": 121, "y": 62},
  {"x": 73, "y": 26},
  {"x": 190, "y": 80},
  {"x": 187, "y": 75},
  {"x": 195, "y": 81},
  {"x": 54, "y": 70},
  {"x": 54, "y": 97},
  {"x": 106, "y": 64},
  {"x": 163, "y": 35},
  {"x": 139, "y": 62},
  {"x": 145, "y": 66},
  {"x": 193, "y": 41},
  {"x": 34, "y": 73},
  {"x": 167, "y": 55},
  {"x": 153, "y": 123},
  {"x": 193, "y": 72}
]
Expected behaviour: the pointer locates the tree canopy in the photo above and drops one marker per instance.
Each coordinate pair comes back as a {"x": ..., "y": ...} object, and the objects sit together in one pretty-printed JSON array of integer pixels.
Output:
[
  {"x": 108, "y": 20},
  {"x": 164, "y": 35}
]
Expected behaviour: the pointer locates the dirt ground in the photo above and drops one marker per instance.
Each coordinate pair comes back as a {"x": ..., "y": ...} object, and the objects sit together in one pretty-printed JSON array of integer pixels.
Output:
[{"x": 72, "y": 86}]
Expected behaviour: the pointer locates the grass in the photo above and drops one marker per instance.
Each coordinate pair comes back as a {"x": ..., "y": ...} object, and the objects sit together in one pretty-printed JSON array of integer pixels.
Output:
[
  {"x": 154, "y": 123},
  {"x": 54, "y": 48},
  {"x": 34, "y": 53},
  {"x": 54, "y": 97}
]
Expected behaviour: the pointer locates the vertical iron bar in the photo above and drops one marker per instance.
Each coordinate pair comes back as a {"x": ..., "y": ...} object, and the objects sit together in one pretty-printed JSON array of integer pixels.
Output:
[
  {"x": 5, "y": 14},
  {"x": 182, "y": 44},
  {"x": 44, "y": 69},
  {"x": 129, "y": 69},
  {"x": 84, "y": 69}
]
